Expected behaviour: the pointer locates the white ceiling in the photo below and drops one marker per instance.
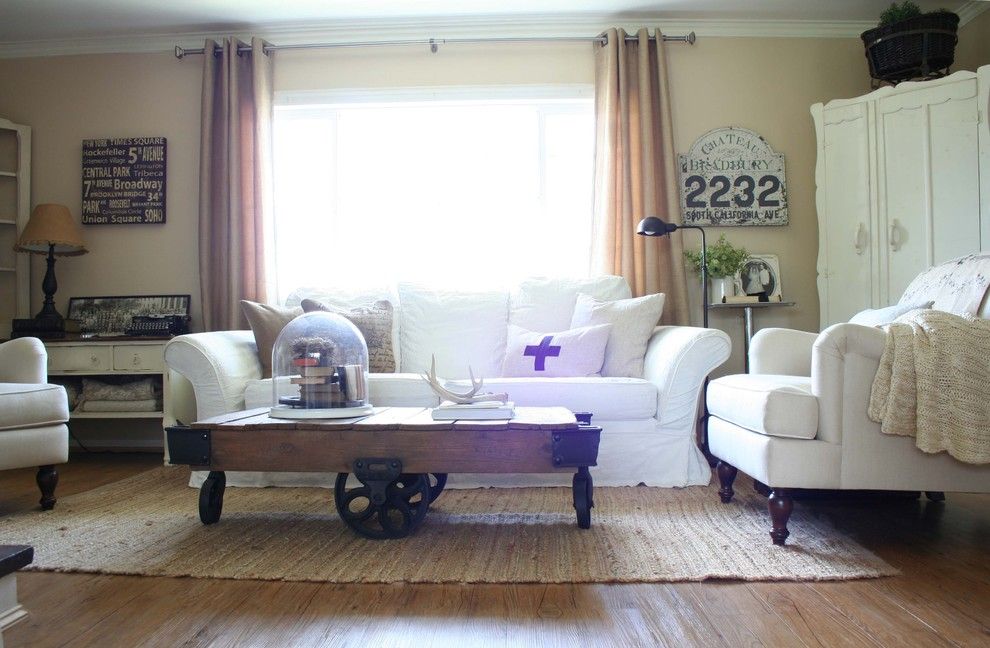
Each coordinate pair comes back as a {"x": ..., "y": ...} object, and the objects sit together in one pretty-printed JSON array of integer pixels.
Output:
[{"x": 24, "y": 22}]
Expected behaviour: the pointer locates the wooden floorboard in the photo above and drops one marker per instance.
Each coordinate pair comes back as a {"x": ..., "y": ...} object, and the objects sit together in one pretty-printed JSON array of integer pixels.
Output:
[{"x": 941, "y": 599}]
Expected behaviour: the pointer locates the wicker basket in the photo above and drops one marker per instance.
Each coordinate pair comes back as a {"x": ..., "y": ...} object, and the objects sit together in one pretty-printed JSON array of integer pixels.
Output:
[{"x": 912, "y": 48}]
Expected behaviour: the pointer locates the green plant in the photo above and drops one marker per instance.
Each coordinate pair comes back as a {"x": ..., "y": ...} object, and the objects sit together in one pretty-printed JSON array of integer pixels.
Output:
[
  {"x": 724, "y": 259},
  {"x": 896, "y": 12}
]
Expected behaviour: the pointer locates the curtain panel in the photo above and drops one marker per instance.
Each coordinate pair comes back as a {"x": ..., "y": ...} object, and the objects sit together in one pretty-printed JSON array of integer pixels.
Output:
[
  {"x": 636, "y": 170},
  {"x": 235, "y": 198}
]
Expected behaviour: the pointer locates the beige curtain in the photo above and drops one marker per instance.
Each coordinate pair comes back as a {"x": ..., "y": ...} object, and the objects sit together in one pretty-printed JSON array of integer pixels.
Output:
[
  {"x": 635, "y": 169},
  {"x": 235, "y": 179}
]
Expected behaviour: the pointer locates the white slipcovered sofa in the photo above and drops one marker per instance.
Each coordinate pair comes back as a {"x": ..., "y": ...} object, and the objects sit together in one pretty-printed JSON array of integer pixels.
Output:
[
  {"x": 33, "y": 415},
  {"x": 799, "y": 419},
  {"x": 648, "y": 422}
]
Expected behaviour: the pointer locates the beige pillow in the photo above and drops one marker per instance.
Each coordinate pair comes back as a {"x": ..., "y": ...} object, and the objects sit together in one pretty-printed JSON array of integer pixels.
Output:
[
  {"x": 375, "y": 323},
  {"x": 266, "y": 322},
  {"x": 632, "y": 320}
]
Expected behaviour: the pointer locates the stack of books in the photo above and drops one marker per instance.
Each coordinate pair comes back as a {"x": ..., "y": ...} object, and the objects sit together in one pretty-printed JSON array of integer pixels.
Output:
[{"x": 480, "y": 411}]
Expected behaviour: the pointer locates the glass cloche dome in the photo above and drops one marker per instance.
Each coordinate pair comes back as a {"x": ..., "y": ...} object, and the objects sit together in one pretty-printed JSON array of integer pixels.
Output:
[{"x": 320, "y": 369}]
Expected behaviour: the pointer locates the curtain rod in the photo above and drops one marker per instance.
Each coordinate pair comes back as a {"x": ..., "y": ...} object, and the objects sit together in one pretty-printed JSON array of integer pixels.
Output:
[{"x": 435, "y": 43}]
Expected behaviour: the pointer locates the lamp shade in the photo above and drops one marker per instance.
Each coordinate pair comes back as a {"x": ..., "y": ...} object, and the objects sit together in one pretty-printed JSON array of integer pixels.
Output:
[
  {"x": 655, "y": 226},
  {"x": 51, "y": 225}
]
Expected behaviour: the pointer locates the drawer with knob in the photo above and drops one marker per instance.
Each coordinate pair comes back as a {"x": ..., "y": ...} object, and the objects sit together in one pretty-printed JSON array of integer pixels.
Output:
[
  {"x": 87, "y": 358},
  {"x": 139, "y": 358}
]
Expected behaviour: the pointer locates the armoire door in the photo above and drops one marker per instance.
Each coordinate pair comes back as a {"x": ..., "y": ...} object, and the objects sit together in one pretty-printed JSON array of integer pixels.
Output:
[
  {"x": 845, "y": 212},
  {"x": 930, "y": 183}
]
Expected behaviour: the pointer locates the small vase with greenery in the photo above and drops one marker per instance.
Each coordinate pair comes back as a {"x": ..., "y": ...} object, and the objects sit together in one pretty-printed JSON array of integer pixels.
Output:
[{"x": 724, "y": 261}]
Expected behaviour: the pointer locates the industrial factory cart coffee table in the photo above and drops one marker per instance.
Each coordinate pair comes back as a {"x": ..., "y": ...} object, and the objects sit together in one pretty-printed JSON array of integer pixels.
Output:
[{"x": 400, "y": 456}]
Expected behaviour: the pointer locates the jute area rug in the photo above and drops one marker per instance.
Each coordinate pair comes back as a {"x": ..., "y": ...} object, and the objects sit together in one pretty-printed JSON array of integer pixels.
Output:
[{"x": 148, "y": 524}]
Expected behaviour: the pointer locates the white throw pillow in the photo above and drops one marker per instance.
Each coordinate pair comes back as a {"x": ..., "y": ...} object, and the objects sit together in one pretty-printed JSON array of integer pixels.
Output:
[
  {"x": 575, "y": 353},
  {"x": 463, "y": 329},
  {"x": 542, "y": 304},
  {"x": 632, "y": 320},
  {"x": 881, "y": 316}
]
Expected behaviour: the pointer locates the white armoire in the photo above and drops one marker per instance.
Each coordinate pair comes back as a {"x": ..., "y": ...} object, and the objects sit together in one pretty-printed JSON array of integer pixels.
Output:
[{"x": 903, "y": 182}]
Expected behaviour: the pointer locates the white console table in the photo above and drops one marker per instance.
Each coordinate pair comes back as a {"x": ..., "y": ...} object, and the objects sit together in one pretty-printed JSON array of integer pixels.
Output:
[{"x": 111, "y": 356}]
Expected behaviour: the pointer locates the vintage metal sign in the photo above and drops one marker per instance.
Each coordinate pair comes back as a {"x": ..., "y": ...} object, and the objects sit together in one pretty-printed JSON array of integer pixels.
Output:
[
  {"x": 731, "y": 176},
  {"x": 123, "y": 180}
]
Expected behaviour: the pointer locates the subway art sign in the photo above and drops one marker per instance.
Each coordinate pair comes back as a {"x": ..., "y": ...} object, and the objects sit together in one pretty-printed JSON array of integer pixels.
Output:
[{"x": 731, "y": 176}]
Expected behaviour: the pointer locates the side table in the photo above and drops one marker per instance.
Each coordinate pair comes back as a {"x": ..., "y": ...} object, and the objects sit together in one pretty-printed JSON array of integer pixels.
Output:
[{"x": 747, "y": 308}]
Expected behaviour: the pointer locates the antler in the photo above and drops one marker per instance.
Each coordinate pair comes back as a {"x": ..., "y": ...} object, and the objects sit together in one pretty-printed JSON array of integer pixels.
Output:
[{"x": 467, "y": 397}]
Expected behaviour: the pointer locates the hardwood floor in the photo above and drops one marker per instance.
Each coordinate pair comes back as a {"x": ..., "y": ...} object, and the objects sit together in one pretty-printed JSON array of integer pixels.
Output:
[{"x": 942, "y": 598}]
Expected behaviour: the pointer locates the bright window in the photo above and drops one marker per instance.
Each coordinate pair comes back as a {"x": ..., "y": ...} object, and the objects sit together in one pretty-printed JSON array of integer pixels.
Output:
[{"x": 466, "y": 187}]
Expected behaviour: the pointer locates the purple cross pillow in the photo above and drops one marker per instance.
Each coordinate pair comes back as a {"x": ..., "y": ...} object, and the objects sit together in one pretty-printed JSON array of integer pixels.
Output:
[{"x": 564, "y": 354}]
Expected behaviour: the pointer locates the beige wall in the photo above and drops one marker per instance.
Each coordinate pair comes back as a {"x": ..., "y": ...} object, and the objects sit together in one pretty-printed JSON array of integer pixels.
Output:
[
  {"x": 973, "y": 49},
  {"x": 766, "y": 84},
  {"x": 67, "y": 99}
]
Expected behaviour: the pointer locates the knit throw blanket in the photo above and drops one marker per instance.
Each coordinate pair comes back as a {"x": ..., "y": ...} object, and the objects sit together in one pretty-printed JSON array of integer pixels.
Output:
[{"x": 934, "y": 384}]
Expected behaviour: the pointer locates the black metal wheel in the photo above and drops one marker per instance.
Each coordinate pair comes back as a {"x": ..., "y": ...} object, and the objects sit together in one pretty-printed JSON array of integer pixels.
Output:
[
  {"x": 394, "y": 514},
  {"x": 211, "y": 497},
  {"x": 437, "y": 482},
  {"x": 583, "y": 488}
]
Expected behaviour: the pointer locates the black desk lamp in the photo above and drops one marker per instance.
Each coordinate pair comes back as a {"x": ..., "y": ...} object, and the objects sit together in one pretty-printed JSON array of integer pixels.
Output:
[
  {"x": 654, "y": 226},
  {"x": 50, "y": 231}
]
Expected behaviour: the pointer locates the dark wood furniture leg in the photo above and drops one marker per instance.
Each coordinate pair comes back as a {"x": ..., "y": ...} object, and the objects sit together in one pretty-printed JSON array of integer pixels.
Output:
[
  {"x": 211, "y": 497},
  {"x": 583, "y": 487},
  {"x": 780, "y": 504},
  {"x": 47, "y": 479},
  {"x": 726, "y": 475}
]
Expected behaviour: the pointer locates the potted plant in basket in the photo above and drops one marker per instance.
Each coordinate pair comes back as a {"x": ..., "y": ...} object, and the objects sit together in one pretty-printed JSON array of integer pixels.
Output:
[
  {"x": 909, "y": 44},
  {"x": 724, "y": 261}
]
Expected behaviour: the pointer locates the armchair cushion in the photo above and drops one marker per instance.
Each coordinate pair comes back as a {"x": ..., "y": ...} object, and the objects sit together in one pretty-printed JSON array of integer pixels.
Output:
[
  {"x": 779, "y": 406},
  {"x": 28, "y": 405}
]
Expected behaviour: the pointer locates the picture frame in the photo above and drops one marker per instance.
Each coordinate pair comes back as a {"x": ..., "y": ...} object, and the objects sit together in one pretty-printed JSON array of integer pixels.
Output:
[
  {"x": 109, "y": 316},
  {"x": 760, "y": 274}
]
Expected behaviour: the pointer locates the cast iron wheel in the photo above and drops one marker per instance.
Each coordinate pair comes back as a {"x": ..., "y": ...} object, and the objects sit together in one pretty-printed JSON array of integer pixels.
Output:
[
  {"x": 407, "y": 500},
  {"x": 583, "y": 502},
  {"x": 211, "y": 497},
  {"x": 437, "y": 482}
]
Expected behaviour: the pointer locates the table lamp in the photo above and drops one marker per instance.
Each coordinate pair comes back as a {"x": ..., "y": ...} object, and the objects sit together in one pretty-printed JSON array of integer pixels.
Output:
[
  {"x": 51, "y": 231},
  {"x": 654, "y": 226}
]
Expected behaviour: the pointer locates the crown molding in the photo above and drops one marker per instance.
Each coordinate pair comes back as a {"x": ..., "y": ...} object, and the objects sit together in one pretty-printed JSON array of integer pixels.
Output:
[
  {"x": 458, "y": 27},
  {"x": 971, "y": 10}
]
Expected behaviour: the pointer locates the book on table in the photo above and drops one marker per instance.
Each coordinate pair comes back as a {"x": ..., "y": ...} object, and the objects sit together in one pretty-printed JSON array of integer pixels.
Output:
[{"x": 484, "y": 410}]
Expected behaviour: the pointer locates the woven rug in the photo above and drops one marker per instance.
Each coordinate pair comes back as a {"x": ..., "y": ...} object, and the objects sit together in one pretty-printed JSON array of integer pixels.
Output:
[{"x": 149, "y": 525}]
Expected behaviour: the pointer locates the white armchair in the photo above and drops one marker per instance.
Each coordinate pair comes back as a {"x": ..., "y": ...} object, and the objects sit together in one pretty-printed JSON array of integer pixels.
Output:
[
  {"x": 799, "y": 421},
  {"x": 33, "y": 415}
]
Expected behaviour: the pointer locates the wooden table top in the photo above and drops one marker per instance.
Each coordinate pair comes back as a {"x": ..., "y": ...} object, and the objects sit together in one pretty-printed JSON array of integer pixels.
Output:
[{"x": 393, "y": 418}]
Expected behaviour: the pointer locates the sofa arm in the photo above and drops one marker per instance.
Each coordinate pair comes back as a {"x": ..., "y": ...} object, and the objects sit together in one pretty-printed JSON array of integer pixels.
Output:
[
  {"x": 23, "y": 360},
  {"x": 844, "y": 363},
  {"x": 781, "y": 351},
  {"x": 218, "y": 365},
  {"x": 678, "y": 359}
]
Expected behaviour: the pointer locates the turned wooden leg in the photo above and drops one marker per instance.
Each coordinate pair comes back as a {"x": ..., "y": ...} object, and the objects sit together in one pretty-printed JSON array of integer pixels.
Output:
[
  {"x": 780, "y": 505},
  {"x": 726, "y": 475},
  {"x": 47, "y": 481},
  {"x": 935, "y": 496}
]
